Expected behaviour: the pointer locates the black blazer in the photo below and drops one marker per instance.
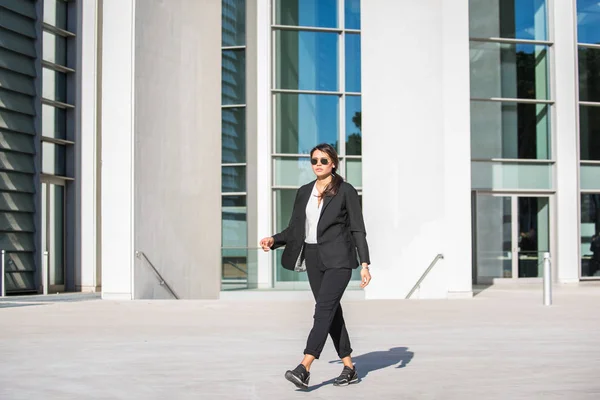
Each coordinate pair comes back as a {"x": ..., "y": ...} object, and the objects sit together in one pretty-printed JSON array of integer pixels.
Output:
[{"x": 340, "y": 231}]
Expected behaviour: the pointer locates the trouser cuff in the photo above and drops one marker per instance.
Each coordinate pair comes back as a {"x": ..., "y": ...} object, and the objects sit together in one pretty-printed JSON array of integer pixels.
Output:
[{"x": 312, "y": 353}]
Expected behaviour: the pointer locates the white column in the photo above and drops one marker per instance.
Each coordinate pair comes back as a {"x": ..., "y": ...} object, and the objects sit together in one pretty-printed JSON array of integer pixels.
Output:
[
  {"x": 566, "y": 260},
  {"x": 416, "y": 147},
  {"x": 117, "y": 148},
  {"x": 258, "y": 56},
  {"x": 86, "y": 268},
  {"x": 457, "y": 149}
]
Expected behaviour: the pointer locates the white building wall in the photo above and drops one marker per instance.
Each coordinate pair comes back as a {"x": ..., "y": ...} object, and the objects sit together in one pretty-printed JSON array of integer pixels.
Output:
[
  {"x": 416, "y": 148},
  {"x": 117, "y": 148}
]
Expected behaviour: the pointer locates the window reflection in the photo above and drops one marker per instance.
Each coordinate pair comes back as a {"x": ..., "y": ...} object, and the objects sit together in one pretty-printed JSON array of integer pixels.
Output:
[
  {"x": 235, "y": 227},
  {"x": 510, "y": 130},
  {"x": 307, "y": 60},
  {"x": 303, "y": 120},
  {"x": 233, "y": 179},
  {"x": 589, "y": 128},
  {"x": 590, "y": 234},
  {"x": 511, "y": 19},
  {"x": 588, "y": 21},
  {"x": 233, "y": 87},
  {"x": 353, "y": 126},
  {"x": 352, "y": 14},
  {"x": 233, "y": 135},
  {"x": 318, "y": 13},
  {"x": 353, "y": 78},
  {"x": 509, "y": 71},
  {"x": 589, "y": 74},
  {"x": 233, "y": 19}
]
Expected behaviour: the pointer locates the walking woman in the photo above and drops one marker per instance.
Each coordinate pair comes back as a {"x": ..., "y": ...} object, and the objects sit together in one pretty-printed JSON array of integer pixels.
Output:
[{"x": 324, "y": 233}]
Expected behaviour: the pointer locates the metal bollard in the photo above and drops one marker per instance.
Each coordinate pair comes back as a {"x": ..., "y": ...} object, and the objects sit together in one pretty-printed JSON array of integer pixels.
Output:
[
  {"x": 3, "y": 271},
  {"x": 547, "y": 280},
  {"x": 45, "y": 273}
]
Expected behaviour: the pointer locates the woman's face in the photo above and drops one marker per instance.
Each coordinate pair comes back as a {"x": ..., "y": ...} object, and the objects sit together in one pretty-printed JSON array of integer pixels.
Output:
[{"x": 320, "y": 168}]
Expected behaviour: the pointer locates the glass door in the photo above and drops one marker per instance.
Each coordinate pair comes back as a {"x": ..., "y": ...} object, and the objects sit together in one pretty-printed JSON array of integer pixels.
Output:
[
  {"x": 53, "y": 233},
  {"x": 511, "y": 233}
]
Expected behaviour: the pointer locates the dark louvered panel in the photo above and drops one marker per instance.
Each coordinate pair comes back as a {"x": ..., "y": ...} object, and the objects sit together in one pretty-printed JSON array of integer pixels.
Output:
[
  {"x": 17, "y": 142},
  {"x": 24, "y": 7},
  {"x": 18, "y": 59},
  {"x": 16, "y": 182}
]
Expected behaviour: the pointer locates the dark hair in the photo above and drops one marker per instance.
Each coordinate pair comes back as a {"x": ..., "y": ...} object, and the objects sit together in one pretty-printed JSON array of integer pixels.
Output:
[{"x": 336, "y": 181}]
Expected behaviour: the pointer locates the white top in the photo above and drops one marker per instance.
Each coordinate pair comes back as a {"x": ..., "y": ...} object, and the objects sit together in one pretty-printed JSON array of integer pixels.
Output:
[{"x": 313, "y": 213}]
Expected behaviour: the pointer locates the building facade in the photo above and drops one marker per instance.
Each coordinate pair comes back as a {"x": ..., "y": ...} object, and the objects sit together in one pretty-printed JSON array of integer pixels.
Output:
[{"x": 147, "y": 146}]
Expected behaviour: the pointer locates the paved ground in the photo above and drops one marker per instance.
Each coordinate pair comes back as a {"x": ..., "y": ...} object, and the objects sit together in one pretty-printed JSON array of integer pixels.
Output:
[{"x": 503, "y": 344}]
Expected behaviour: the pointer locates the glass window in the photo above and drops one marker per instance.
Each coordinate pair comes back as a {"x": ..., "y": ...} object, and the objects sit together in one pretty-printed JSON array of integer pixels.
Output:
[
  {"x": 233, "y": 19},
  {"x": 352, "y": 14},
  {"x": 589, "y": 74},
  {"x": 352, "y": 62},
  {"x": 305, "y": 120},
  {"x": 284, "y": 204},
  {"x": 589, "y": 176},
  {"x": 292, "y": 171},
  {"x": 589, "y": 128},
  {"x": 55, "y": 13},
  {"x": 318, "y": 13},
  {"x": 233, "y": 179},
  {"x": 499, "y": 176},
  {"x": 233, "y": 127},
  {"x": 494, "y": 237},
  {"x": 590, "y": 234},
  {"x": 54, "y": 122},
  {"x": 509, "y": 71},
  {"x": 54, "y": 85},
  {"x": 54, "y": 195},
  {"x": 353, "y": 126},
  {"x": 510, "y": 19},
  {"x": 306, "y": 60},
  {"x": 510, "y": 130},
  {"x": 234, "y": 222},
  {"x": 588, "y": 21},
  {"x": 54, "y": 48},
  {"x": 54, "y": 159},
  {"x": 354, "y": 172},
  {"x": 233, "y": 86}
]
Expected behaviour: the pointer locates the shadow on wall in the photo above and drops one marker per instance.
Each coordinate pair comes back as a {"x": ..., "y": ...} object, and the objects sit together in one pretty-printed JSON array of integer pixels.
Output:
[{"x": 399, "y": 357}]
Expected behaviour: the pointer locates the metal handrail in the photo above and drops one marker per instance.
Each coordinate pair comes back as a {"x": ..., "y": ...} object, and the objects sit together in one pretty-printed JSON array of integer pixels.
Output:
[
  {"x": 435, "y": 260},
  {"x": 2, "y": 272},
  {"x": 162, "y": 282}
]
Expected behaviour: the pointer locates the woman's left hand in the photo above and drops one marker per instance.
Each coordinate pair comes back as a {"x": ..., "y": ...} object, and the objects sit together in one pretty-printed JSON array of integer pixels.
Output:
[{"x": 365, "y": 277}]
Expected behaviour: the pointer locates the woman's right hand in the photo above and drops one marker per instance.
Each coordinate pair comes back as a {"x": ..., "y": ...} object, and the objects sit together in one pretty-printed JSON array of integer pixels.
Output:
[{"x": 266, "y": 243}]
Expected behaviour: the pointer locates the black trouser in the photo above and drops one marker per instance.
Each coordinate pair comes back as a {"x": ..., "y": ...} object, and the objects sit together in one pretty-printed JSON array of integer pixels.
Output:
[{"x": 328, "y": 286}]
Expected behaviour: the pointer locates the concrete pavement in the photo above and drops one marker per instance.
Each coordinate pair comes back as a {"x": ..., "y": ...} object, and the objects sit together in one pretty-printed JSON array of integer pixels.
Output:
[{"x": 502, "y": 344}]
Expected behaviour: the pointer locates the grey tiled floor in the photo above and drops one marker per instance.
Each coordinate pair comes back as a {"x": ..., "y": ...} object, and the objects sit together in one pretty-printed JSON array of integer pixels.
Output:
[{"x": 502, "y": 344}]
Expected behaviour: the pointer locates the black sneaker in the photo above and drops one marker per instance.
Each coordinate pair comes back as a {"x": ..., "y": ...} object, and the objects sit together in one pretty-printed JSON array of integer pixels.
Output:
[
  {"x": 299, "y": 376},
  {"x": 347, "y": 377}
]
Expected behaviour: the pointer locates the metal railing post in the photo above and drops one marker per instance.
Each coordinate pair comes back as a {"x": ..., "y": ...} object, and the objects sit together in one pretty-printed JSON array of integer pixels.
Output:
[
  {"x": 3, "y": 272},
  {"x": 45, "y": 273},
  {"x": 547, "y": 280}
]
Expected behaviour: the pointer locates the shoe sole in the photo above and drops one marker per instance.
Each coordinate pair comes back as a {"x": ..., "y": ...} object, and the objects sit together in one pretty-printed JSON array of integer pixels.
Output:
[
  {"x": 292, "y": 378},
  {"x": 354, "y": 380}
]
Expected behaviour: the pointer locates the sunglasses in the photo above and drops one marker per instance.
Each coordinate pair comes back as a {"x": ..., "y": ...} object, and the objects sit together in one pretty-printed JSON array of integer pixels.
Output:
[{"x": 314, "y": 161}]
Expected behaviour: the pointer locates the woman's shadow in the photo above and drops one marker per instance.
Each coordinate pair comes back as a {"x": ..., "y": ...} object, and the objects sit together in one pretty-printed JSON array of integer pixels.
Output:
[{"x": 399, "y": 357}]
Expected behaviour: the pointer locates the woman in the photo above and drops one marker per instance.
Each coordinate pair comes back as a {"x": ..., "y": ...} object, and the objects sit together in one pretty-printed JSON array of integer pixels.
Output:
[{"x": 325, "y": 231}]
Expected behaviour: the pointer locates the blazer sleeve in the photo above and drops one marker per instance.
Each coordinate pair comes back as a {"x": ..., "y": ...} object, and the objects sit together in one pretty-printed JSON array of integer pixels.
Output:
[
  {"x": 281, "y": 238},
  {"x": 357, "y": 224}
]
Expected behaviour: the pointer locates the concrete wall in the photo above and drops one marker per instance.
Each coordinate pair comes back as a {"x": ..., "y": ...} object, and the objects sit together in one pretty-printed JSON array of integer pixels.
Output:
[
  {"x": 178, "y": 146},
  {"x": 416, "y": 152}
]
